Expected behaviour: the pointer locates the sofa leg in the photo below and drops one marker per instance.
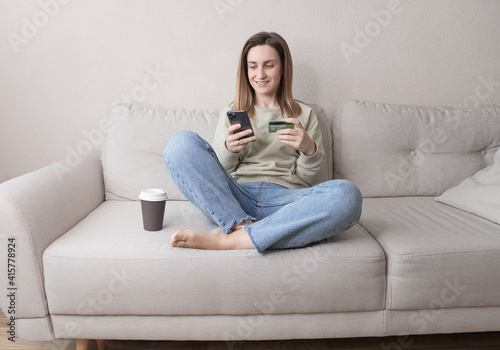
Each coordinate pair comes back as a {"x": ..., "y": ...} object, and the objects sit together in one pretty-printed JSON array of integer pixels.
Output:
[
  {"x": 101, "y": 344},
  {"x": 82, "y": 344}
]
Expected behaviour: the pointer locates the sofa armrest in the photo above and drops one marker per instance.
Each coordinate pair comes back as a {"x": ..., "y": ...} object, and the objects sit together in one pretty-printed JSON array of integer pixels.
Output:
[{"x": 35, "y": 210}]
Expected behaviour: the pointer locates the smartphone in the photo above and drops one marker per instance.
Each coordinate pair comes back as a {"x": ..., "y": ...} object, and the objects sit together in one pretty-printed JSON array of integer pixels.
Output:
[{"x": 240, "y": 117}]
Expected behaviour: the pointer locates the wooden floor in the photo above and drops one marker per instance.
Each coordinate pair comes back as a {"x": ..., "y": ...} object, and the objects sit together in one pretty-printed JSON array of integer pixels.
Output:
[{"x": 475, "y": 341}]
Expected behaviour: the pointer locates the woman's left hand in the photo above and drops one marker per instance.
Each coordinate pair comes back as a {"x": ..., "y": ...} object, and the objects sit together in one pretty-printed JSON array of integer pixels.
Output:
[{"x": 297, "y": 137}]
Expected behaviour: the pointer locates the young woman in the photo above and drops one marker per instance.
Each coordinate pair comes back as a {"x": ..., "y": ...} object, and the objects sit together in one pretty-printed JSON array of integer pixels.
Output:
[{"x": 262, "y": 191}]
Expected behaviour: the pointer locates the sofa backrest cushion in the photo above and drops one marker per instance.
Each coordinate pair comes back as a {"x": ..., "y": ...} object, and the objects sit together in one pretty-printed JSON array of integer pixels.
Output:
[
  {"x": 136, "y": 135},
  {"x": 325, "y": 123},
  {"x": 398, "y": 150}
]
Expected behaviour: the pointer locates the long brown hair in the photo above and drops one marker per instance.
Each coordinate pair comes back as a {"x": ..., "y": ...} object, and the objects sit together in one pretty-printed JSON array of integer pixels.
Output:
[{"x": 245, "y": 94}]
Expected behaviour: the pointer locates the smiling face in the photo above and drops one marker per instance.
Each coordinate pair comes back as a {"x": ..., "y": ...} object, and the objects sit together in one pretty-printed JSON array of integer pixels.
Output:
[{"x": 264, "y": 71}]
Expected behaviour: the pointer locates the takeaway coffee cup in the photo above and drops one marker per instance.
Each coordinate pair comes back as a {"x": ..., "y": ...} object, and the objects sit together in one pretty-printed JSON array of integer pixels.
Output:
[{"x": 153, "y": 208}]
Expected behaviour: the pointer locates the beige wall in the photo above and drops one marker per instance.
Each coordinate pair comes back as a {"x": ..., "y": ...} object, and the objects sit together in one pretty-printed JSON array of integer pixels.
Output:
[{"x": 65, "y": 63}]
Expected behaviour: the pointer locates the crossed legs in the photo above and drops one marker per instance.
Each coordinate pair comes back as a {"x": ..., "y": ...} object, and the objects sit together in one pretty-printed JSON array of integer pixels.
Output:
[{"x": 285, "y": 218}]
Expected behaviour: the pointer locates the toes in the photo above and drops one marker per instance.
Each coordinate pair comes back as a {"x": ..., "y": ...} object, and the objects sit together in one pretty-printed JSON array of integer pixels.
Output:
[
  {"x": 177, "y": 239},
  {"x": 179, "y": 244}
]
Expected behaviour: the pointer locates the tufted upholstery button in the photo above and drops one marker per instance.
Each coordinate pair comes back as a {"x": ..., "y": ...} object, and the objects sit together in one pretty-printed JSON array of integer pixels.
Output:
[
  {"x": 483, "y": 152},
  {"x": 413, "y": 153}
]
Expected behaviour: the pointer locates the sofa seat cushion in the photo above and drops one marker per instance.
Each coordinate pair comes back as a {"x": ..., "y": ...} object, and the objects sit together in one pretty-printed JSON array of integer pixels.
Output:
[
  {"x": 437, "y": 256},
  {"x": 108, "y": 265}
]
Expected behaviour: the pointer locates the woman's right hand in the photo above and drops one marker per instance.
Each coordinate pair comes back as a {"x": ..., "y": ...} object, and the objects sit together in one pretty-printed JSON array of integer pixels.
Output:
[{"x": 236, "y": 141}]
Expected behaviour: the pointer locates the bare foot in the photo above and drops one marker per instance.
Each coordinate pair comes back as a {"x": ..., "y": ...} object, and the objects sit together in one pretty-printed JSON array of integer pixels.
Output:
[{"x": 214, "y": 240}]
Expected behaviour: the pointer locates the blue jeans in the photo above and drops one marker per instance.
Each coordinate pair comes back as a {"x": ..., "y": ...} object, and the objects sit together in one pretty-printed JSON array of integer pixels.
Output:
[{"x": 283, "y": 218}]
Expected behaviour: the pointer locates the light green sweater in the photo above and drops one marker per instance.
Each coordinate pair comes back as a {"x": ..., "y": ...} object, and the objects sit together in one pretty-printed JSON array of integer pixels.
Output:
[{"x": 269, "y": 160}]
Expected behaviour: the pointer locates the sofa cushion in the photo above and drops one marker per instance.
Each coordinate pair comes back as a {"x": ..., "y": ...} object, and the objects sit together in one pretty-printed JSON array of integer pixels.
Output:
[
  {"x": 437, "y": 256},
  {"x": 129, "y": 271},
  {"x": 479, "y": 194},
  {"x": 137, "y": 133},
  {"x": 325, "y": 123},
  {"x": 397, "y": 150}
]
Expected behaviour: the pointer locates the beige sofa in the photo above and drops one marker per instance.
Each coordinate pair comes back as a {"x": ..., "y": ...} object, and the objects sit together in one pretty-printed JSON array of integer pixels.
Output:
[{"x": 85, "y": 268}]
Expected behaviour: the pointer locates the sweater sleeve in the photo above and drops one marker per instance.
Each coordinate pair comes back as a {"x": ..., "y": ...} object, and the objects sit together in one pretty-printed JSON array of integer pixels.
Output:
[
  {"x": 228, "y": 159},
  {"x": 310, "y": 169}
]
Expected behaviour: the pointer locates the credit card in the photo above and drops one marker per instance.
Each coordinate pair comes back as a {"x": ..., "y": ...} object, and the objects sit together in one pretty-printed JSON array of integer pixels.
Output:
[{"x": 275, "y": 126}]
